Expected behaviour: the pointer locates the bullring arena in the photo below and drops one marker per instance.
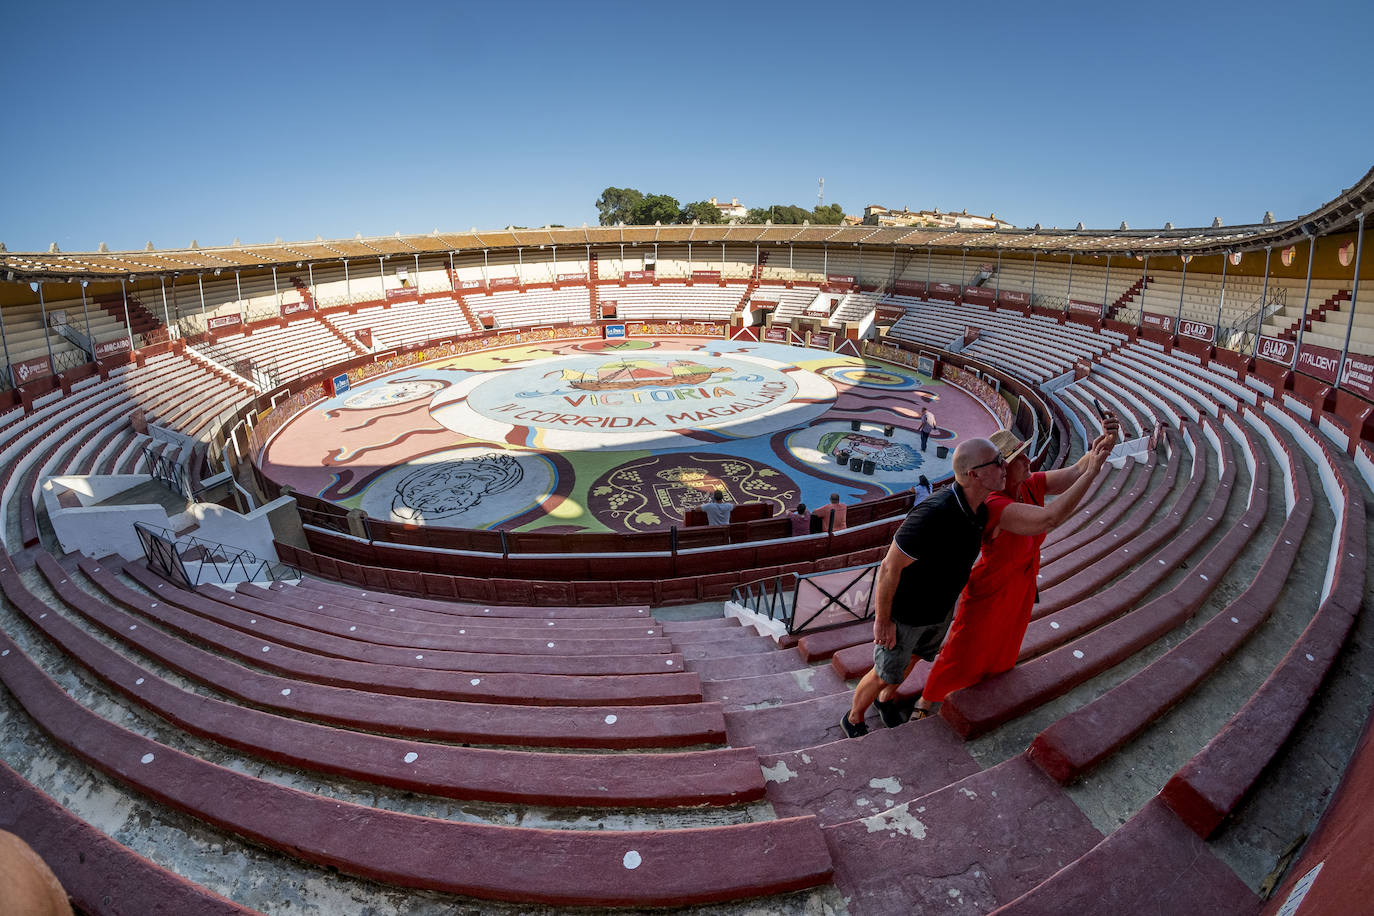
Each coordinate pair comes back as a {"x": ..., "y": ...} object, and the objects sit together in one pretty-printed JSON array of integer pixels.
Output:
[{"x": 362, "y": 576}]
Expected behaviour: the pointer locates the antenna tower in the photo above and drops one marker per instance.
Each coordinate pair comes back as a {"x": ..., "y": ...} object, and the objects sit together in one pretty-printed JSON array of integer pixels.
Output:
[{"x": 820, "y": 194}]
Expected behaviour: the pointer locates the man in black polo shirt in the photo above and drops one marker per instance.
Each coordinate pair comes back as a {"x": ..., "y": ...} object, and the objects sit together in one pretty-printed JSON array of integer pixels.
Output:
[{"x": 921, "y": 577}]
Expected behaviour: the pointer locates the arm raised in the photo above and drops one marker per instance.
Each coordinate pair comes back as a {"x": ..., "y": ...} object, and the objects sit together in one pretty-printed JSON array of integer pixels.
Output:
[{"x": 1019, "y": 518}]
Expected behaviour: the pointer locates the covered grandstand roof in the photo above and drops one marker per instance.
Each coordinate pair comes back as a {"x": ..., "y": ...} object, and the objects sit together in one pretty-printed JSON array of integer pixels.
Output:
[{"x": 1334, "y": 216}]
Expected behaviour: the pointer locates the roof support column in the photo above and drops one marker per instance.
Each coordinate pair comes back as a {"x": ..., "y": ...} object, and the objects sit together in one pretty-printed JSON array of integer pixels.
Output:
[
  {"x": 276, "y": 293},
  {"x": 200, "y": 284},
  {"x": 927, "y": 275},
  {"x": 1354, "y": 295},
  {"x": 1068, "y": 294},
  {"x": 1144, "y": 279},
  {"x": 90, "y": 341},
  {"x": 166, "y": 316},
  {"x": 997, "y": 296},
  {"x": 1107, "y": 287},
  {"x": 1221, "y": 300},
  {"x": 381, "y": 275},
  {"x": 1181, "y": 289},
  {"x": 128, "y": 325},
  {"x": 348, "y": 284},
  {"x": 311, "y": 268},
  {"x": 1306, "y": 295},
  {"x": 47, "y": 338},
  {"x": 1035, "y": 257}
]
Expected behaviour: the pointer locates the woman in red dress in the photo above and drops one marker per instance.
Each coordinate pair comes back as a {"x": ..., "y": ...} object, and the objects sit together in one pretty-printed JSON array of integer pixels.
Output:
[{"x": 995, "y": 607}]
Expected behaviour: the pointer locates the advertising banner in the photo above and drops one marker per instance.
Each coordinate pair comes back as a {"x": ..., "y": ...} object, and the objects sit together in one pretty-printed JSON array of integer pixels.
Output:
[
  {"x": 504, "y": 282},
  {"x": 1318, "y": 362},
  {"x": 29, "y": 369},
  {"x": 111, "y": 347},
  {"x": 1164, "y": 323},
  {"x": 705, "y": 275},
  {"x": 909, "y": 288},
  {"x": 1014, "y": 297},
  {"x": 292, "y": 308},
  {"x": 778, "y": 335},
  {"x": 1197, "y": 330},
  {"x": 980, "y": 294},
  {"x": 224, "y": 321},
  {"x": 945, "y": 291},
  {"x": 1277, "y": 350},
  {"x": 1090, "y": 309}
]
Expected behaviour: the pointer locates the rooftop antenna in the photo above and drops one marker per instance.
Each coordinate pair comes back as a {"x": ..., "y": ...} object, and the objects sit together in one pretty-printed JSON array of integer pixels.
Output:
[{"x": 820, "y": 194}]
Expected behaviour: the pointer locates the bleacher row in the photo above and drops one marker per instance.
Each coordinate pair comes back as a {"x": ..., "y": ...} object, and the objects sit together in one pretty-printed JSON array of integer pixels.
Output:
[{"x": 316, "y": 737}]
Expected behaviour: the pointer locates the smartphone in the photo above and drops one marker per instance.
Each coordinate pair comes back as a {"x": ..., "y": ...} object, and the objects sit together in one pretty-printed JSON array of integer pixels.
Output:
[{"x": 1100, "y": 411}]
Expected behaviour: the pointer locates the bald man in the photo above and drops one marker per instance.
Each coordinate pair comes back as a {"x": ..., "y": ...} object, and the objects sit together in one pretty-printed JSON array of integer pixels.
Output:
[{"x": 922, "y": 574}]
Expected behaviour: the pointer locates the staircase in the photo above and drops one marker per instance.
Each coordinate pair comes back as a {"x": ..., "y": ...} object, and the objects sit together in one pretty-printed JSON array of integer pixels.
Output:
[
  {"x": 592, "y": 275},
  {"x": 1332, "y": 304},
  {"x": 304, "y": 290},
  {"x": 755, "y": 279},
  {"x": 1125, "y": 298},
  {"x": 141, "y": 321},
  {"x": 349, "y": 340}
]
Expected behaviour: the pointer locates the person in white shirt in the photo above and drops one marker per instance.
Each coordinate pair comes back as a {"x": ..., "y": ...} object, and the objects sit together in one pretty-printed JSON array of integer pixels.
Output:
[
  {"x": 921, "y": 490},
  {"x": 717, "y": 509}
]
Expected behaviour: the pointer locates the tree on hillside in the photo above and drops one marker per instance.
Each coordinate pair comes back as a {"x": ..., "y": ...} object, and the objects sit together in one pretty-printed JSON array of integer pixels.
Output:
[
  {"x": 703, "y": 211},
  {"x": 785, "y": 215},
  {"x": 828, "y": 215},
  {"x": 616, "y": 205},
  {"x": 656, "y": 208}
]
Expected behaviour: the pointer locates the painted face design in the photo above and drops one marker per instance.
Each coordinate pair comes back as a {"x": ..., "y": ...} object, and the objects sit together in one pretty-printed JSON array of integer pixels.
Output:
[{"x": 450, "y": 488}]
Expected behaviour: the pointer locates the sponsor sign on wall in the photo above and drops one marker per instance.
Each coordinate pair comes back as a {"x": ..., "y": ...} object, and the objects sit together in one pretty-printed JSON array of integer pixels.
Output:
[
  {"x": 1318, "y": 362},
  {"x": 403, "y": 292},
  {"x": 364, "y": 336},
  {"x": 1358, "y": 375},
  {"x": 926, "y": 366},
  {"x": 292, "y": 308},
  {"x": 572, "y": 278},
  {"x": 29, "y": 369},
  {"x": 705, "y": 275},
  {"x": 611, "y": 331},
  {"x": 887, "y": 314},
  {"x": 639, "y": 275},
  {"x": 471, "y": 284},
  {"x": 946, "y": 291},
  {"x": 504, "y": 282},
  {"x": 1277, "y": 350},
  {"x": 1162, "y": 322},
  {"x": 109, "y": 348},
  {"x": 1015, "y": 297},
  {"x": 1085, "y": 308},
  {"x": 777, "y": 335},
  {"x": 910, "y": 288},
  {"x": 1197, "y": 330},
  {"x": 822, "y": 340},
  {"x": 840, "y": 280},
  {"x": 224, "y": 321},
  {"x": 979, "y": 294}
]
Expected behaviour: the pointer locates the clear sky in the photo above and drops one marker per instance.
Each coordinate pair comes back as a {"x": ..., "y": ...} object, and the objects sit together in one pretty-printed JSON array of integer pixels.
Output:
[{"x": 127, "y": 123}]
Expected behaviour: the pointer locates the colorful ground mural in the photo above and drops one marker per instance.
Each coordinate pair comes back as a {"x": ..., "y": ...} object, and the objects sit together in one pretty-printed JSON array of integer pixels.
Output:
[{"x": 619, "y": 435}]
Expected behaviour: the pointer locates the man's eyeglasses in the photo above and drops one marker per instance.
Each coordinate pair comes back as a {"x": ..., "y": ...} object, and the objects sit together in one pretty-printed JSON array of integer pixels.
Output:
[{"x": 999, "y": 461}]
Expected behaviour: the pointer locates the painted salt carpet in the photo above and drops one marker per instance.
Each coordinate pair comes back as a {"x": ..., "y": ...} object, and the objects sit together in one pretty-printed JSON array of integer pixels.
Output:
[{"x": 618, "y": 436}]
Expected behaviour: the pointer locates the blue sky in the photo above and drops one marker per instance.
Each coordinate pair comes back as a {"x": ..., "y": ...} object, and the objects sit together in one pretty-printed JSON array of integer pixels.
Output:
[{"x": 167, "y": 122}]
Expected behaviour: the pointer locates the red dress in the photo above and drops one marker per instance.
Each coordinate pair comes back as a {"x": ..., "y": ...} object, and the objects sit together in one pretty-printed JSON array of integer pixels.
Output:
[{"x": 995, "y": 607}]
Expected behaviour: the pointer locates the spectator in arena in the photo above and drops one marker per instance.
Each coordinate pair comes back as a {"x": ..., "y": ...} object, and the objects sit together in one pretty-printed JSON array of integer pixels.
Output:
[
  {"x": 928, "y": 426},
  {"x": 833, "y": 514},
  {"x": 921, "y": 490},
  {"x": 995, "y": 607},
  {"x": 717, "y": 509},
  {"x": 922, "y": 574},
  {"x": 801, "y": 521}
]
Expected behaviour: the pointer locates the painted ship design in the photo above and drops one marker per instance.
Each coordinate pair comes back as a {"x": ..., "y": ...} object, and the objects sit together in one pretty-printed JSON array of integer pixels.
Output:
[{"x": 640, "y": 373}]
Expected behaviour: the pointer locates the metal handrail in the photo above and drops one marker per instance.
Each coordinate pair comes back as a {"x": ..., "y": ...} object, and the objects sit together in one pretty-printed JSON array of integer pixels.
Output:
[
  {"x": 772, "y": 598},
  {"x": 166, "y": 554}
]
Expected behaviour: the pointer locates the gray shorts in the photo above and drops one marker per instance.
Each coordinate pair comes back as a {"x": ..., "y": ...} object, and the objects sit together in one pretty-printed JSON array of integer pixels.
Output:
[{"x": 911, "y": 641}]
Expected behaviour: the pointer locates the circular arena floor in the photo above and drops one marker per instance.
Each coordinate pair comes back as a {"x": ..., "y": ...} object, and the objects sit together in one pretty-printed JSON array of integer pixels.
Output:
[{"x": 620, "y": 436}]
